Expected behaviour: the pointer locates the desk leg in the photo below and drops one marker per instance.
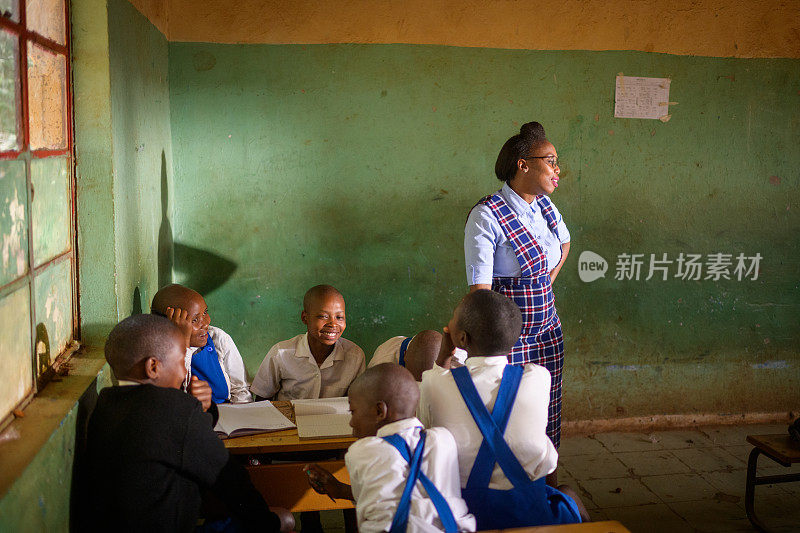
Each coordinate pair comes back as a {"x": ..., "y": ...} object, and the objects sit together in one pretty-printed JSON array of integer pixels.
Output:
[
  {"x": 750, "y": 490},
  {"x": 350, "y": 521}
]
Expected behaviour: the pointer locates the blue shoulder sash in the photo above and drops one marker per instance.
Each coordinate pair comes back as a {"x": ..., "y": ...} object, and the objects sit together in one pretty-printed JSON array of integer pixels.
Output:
[
  {"x": 400, "y": 521},
  {"x": 205, "y": 365}
]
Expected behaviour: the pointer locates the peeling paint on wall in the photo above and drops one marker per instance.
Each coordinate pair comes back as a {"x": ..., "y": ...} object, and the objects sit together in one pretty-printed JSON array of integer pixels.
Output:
[
  {"x": 15, "y": 349},
  {"x": 13, "y": 224},
  {"x": 50, "y": 208},
  {"x": 13, "y": 253}
]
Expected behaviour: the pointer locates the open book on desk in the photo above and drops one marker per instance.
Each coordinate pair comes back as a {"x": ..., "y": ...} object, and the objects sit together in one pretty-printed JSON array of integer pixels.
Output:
[
  {"x": 238, "y": 419},
  {"x": 322, "y": 418}
]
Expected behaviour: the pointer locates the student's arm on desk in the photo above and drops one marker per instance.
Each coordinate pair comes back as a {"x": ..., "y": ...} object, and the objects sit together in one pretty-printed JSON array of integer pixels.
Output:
[{"x": 323, "y": 482}]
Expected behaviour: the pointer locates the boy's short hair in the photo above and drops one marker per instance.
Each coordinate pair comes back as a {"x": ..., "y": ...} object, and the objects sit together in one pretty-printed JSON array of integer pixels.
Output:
[
  {"x": 391, "y": 384},
  {"x": 137, "y": 338},
  {"x": 318, "y": 291},
  {"x": 169, "y": 296},
  {"x": 493, "y": 322}
]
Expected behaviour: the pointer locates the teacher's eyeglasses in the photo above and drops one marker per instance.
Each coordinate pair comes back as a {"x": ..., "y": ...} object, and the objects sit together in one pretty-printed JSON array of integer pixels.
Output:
[{"x": 550, "y": 159}]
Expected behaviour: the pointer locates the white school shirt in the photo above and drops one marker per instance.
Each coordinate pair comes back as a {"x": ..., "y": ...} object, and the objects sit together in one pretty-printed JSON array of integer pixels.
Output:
[
  {"x": 389, "y": 352},
  {"x": 230, "y": 361},
  {"x": 378, "y": 475},
  {"x": 290, "y": 372},
  {"x": 441, "y": 404}
]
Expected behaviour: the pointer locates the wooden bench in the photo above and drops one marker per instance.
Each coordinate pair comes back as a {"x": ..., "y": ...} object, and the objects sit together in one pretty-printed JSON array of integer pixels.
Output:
[
  {"x": 781, "y": 449},
  {"x": 610, "y": 526}
]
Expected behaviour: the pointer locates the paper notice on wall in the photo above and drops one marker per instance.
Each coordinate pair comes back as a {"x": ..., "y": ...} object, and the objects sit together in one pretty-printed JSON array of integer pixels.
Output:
[{"x": 641, "y": 97}]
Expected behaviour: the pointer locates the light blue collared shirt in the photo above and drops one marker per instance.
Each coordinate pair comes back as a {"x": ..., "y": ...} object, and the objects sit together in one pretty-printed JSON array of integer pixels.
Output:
[{"x": 487, "y": 251}]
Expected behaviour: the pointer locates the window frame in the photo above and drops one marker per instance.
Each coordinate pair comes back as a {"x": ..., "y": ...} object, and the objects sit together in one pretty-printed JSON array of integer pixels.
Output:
[{"x": 24, "y": 36}]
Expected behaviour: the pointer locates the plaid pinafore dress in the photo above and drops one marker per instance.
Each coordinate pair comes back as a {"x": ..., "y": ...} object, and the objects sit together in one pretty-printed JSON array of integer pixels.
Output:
[{"x": 541, "y": 341}]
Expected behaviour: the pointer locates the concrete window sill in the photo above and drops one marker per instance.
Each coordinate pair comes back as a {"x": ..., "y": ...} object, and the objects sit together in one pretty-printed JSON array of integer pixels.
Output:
[{"x": 21, "y": 441}]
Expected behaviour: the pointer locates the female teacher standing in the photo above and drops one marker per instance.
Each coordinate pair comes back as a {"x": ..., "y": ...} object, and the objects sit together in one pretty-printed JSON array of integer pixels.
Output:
[{"x": 515, "y": 243}]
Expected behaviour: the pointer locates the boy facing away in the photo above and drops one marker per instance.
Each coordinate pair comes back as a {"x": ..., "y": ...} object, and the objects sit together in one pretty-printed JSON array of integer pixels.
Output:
[
  {"x": 391, "y": 439},
  {"x": 417, "y": 353},
  {"x": 212, "y": 355},
  {"x": 315, "y": 364},
  {"x": 151, "y": 447},
  {"x": 490, "y": 399}
]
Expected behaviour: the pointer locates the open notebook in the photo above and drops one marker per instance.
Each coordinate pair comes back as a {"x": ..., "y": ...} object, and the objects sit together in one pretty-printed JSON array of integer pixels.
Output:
[
  {"x": 322, "y": 418},
  {"x": 240, "y": 419}
]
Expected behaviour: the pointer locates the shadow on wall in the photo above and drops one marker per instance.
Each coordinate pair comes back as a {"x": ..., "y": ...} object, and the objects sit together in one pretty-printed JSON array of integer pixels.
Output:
[
  {"x": 201, "y": 270},
  {"x": 136, "y": 307},
  {"x": 42, "y": 349},
  {"x": 165, "y": 244},
  {"x": 81, "y": 507}
]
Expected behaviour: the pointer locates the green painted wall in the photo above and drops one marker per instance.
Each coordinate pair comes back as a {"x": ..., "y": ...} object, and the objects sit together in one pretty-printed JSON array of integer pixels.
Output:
[
  {"x": 142, "y": 152},
  {"x": 124, "y": 160},
  {"x": 356, "y": 165},
  {"x": 39, "y": 500}
]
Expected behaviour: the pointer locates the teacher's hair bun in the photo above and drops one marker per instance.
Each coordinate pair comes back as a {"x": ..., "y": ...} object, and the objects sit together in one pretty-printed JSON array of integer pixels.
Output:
[{"x": 532, "y": 130}]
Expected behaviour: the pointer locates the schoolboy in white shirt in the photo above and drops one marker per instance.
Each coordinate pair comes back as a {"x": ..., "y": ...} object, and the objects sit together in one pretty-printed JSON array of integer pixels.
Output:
[
  {"x": 487, "y": 324},
  {"x": 417, "y": 353},
  {"x": 316, "y": 364},
  {"x": 382, "y": 402}
]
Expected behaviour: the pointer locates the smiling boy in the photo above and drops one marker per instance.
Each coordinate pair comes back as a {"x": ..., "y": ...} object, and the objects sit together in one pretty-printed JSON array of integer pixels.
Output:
[
  {"x": 315, "y": 364},
  {"x": 212, "y": 356}
]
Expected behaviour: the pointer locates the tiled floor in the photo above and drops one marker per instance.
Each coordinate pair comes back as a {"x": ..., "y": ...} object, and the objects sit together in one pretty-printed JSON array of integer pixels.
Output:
[
  {"x": 670, "y": 481},
  {"x": 676, "y": 481}
]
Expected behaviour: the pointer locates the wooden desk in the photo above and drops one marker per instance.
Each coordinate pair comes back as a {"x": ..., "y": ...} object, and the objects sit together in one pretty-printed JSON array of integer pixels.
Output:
[
  {"x": 611, "y": 526},
  {"x": 781, "y": 449},
  {"x": 283, "y": 483}
]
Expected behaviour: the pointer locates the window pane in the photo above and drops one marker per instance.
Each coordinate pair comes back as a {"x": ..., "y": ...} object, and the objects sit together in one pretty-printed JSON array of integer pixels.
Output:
[
  {"x": 15, "y": 350},
  {"x": 13, "y": 223},
  {"x": 9, "y": 92},
  {"x": 47, "y": 98},
  {"x": 50, "y": 207},
  {"x": 53, "y": 312},
  {"x": 46, "y": 17},
  {"x": 8, "y": 8}
]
